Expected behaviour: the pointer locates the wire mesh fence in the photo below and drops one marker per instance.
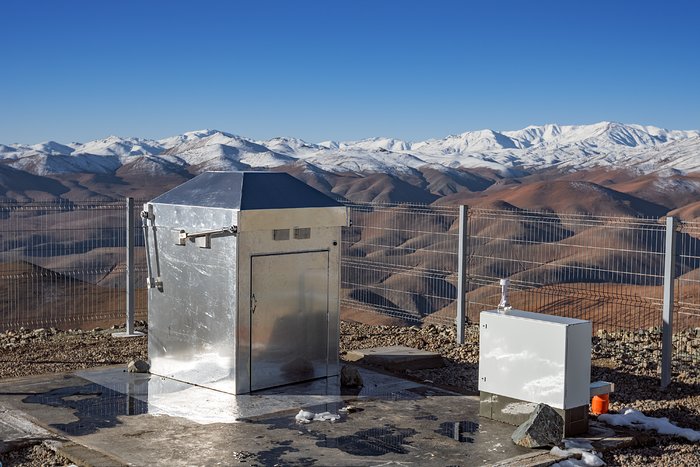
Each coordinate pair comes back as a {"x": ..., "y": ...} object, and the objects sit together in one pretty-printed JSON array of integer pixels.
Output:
[
  {"x": 608, "y": 270},
  {"x": 686, "y": 319},
  {"x": 401, "y": 260},
  {"x": 62, "y": 264}
]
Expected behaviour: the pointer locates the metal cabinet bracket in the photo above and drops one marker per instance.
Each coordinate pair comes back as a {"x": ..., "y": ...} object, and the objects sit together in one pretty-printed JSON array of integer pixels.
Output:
[
  {"x": 148, "y": 214},
  {"x": 203, "y": 238},
  {"x": 157, "y": 283},
  {"x": 148, "y": 217}
]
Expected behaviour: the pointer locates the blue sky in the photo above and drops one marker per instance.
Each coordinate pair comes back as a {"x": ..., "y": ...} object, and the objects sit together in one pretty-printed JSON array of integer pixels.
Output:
[{"x": 80, "y": 70}]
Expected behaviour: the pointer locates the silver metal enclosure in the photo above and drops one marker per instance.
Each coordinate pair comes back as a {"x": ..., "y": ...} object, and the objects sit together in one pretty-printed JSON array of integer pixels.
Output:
[{"x": 244, "y": 281}]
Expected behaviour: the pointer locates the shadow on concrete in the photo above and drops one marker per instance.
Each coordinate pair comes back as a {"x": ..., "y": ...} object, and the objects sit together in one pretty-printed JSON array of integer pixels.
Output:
[{"x": 371, "y": 442}]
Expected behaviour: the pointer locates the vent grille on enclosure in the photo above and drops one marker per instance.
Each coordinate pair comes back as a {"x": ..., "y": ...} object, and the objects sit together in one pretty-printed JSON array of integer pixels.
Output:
[
  {"x": 302, "y": 233},
  {"x": 280, "y": 234}
]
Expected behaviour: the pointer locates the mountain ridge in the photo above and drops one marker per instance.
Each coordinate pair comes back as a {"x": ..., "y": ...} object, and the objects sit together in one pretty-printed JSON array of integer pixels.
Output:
[{"x": 570, "y": 147}]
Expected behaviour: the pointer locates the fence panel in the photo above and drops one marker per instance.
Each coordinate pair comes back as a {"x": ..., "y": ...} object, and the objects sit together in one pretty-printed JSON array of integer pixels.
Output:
[
  {"x": 62, "y": 264},
  {"x": 605, "y": 269},
  {"x": 401, "y": 260},
  {"x": 686, "y": 319}
]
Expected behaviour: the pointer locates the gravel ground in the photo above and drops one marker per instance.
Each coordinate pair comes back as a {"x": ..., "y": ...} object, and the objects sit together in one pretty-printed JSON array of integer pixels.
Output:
[
  {"x": 33, "y": 352},
  {"x": 621, "y": 357},
  {"x": 31, "y": 456}
]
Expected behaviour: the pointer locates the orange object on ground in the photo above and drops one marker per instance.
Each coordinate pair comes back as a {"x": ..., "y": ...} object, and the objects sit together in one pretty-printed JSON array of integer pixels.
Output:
[{"x": 600, "y": 404}]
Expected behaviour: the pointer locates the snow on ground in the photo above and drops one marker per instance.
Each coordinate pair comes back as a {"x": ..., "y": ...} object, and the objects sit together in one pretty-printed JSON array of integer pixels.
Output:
[
  {"x": 636, "y": 419},
  {"x": 577, "y": 446},
  {"x": 304, "y": 416},
  {"x": 628, "y": 418}
]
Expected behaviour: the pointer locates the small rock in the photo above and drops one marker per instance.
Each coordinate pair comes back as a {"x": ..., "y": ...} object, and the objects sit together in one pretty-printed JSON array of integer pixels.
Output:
[
  {"x": 348, "y": 409},
  {"x": 138, "y": 366},
  {"x": 545, "y": 427},
  {"x": 350, "y": 377}
]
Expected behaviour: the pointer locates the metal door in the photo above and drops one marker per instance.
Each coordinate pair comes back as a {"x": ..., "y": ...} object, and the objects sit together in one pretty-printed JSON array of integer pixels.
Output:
[{"x": 289, "y": 318}]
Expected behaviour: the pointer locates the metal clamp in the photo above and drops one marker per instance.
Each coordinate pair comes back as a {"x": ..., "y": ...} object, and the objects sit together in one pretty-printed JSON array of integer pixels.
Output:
[
  {"x": 154, "y": 283},
  {"x": 203, "y": 238},
  {"x": 149, "y": 213}
]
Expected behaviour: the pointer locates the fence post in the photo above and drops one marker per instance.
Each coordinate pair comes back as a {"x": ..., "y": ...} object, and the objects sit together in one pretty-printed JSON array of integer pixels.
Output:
[
  {"x": 130, "y": 332},
  {"x": 669, "y": 278},
  {"x": 462, "y": 273}
]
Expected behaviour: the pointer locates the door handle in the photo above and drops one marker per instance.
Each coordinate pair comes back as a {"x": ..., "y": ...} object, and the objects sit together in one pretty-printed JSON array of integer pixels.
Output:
[{"x": 253, "y": 303}]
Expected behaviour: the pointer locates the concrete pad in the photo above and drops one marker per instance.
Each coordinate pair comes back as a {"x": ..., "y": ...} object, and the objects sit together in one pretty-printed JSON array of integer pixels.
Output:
[
  {"x": 83, "y": 456},
  {"x": 17, "y": 432},
  {"x": 533, "y": 459},
  {"x": 127, "y": 334},
  {"x": 601, "y": 436},
  {"x": 397, "y": 357},
  {"x": 604, "y": 438},
  {"x": 395, "y": 421}
]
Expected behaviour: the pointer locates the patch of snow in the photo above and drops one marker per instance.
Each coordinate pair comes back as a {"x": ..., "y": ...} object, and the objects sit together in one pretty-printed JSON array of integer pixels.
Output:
[
  {"x": 326, "y": 416},
  {"x": 587, "y": 458},
  {"x": 577, "y": 443},
  {"x": 329, "y": 144},
  {"x": 635, "y": 419},
  {"x": 304, "y": 417},
  {"x": 53, "y": 148}
]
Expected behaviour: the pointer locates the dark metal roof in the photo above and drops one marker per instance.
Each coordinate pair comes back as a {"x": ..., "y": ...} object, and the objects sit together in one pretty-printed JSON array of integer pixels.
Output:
[{"x": 246, "y": 191}]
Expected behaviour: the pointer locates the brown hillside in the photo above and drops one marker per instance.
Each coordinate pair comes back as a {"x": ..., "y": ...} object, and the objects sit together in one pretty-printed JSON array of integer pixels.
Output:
[
  {"x": 32, "y": 296},
  {"x": 565, "y": 196}
]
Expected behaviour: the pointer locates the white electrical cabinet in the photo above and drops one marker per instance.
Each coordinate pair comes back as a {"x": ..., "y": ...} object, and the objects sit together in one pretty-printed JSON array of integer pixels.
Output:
[{"x": 534, "y": 357}]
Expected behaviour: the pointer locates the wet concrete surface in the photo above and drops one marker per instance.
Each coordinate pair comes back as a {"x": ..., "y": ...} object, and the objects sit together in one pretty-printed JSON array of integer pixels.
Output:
[{"x": 143, "y": 420}]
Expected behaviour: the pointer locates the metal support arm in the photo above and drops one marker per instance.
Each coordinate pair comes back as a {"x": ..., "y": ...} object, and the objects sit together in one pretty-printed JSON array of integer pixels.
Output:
[{"x": 203, "y": 238}]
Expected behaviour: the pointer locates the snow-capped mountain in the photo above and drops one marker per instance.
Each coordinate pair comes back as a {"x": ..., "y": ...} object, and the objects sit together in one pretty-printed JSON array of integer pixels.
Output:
[{"x": 570, "y": 147}]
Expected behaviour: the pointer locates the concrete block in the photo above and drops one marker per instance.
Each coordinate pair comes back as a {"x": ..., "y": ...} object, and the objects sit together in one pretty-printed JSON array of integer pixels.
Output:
[
  {"x": 515, "y": 412},
  {"x": 397, "y": 358}
]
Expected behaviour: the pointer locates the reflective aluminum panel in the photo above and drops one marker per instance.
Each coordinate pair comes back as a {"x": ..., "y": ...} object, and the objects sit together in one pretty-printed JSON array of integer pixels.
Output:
[
  {"x": 200, "y": 324},
  {"x": 192, "y": 317},
  {"x": 289, "y": 316}
]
